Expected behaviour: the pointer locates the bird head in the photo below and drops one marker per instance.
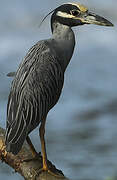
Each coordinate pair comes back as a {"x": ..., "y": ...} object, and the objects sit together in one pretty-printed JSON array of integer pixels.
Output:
[{"x": 74, "y": 14}]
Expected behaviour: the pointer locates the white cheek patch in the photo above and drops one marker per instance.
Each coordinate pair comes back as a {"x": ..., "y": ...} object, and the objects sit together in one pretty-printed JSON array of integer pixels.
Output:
[
  {"x": 64, "y": 15},
  {"x": 91, "y": 18}
]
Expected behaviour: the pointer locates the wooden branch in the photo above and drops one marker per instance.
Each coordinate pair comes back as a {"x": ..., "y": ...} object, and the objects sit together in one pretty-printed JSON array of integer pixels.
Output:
[{"x": 28, "y": 169}]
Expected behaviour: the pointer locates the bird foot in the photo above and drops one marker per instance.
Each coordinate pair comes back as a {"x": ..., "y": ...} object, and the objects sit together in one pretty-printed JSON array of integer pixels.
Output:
[
  {"x": 51, "y": 172},
  {"x": 37, "y": 157}
]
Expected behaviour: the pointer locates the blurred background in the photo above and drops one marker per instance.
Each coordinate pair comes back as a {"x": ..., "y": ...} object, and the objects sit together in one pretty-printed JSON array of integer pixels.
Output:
[{"x": 81, "y": 130}]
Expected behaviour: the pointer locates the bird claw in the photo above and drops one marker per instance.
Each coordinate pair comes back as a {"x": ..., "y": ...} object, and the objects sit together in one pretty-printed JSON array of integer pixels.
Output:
[
  {"x": 56, "y": 174},
  {"x": 51, "y": 169},
  {"x": 36, "y": 158}
]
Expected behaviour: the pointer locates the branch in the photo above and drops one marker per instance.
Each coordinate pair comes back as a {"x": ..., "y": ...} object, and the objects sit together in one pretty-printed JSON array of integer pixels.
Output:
[{"x": 30, "y": 169}]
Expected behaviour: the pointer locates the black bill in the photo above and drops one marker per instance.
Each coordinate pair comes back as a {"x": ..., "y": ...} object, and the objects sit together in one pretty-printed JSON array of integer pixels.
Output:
[{"x": 92, "y": 18}]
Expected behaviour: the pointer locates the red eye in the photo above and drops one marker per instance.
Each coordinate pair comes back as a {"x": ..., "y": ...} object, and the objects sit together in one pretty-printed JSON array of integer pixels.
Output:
[{"x": 75, "y": 12}]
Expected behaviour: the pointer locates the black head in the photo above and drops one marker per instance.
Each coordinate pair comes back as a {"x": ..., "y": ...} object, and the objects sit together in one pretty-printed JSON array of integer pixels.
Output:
[{"x": 74, "y": 14}]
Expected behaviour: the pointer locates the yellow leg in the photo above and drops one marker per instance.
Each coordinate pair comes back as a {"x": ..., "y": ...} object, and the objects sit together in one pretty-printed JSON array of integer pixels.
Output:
[
  {"x": 43, "y": 146},
  {"x": 33, "y": 151},
  {"x": 44, "y": 154},
  {"x": 43, "y": 149}
]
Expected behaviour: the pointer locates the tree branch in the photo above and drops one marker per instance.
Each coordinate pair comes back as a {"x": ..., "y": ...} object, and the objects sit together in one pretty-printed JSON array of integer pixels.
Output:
[{"x": 28, "y": 169}]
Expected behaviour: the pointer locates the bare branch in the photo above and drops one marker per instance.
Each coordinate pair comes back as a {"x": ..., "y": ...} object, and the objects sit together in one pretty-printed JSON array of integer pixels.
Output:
[{"x": 30, "y": 169}]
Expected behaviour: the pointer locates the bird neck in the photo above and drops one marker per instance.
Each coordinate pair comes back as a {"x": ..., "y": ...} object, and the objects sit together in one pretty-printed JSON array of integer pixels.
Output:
[
  {"x": 65, "y": 42},
  {"x": 61, "y": 32}
]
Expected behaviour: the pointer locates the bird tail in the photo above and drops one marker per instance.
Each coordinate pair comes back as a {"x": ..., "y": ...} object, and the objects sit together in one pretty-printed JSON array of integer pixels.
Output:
[
  {"x": 15, "y": 147},
  {"x": 16, "y": 134}
]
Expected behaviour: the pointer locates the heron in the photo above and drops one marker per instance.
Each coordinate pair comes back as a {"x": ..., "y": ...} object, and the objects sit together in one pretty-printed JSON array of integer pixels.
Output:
[{"x": 39, "y": 79}]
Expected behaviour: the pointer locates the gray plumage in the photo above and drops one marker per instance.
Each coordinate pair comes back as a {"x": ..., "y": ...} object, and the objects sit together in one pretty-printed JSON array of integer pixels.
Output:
[
  {"x": 39, "y": 79},
  {"x": 36, "y": 87}
]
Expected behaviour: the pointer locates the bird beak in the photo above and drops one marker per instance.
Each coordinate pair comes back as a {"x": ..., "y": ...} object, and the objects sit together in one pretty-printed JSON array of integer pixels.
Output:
[{"x": 91, "y": 18}]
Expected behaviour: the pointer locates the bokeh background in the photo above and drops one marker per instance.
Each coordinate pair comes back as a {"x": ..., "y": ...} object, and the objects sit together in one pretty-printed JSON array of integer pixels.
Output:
[{"x": 81, "y": 130}]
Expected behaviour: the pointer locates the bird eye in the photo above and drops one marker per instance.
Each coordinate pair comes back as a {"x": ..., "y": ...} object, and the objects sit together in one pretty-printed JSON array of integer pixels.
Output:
[{"x": 75, "y": 12}]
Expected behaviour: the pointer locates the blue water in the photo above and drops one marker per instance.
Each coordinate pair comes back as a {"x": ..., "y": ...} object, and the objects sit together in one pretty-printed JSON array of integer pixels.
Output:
[{"x": 81, "y": 130}]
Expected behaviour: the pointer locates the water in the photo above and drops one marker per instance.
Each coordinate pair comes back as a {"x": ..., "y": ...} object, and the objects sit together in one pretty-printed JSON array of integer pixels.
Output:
[{"x": 81, "y": 128}]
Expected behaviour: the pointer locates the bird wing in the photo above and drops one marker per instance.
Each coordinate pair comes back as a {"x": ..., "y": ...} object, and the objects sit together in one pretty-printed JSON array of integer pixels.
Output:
[{"x": 35, "y": 90}]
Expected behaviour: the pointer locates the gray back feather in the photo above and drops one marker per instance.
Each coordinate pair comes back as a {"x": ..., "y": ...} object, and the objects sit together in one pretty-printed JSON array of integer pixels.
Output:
[{"x": 35, "y": 90}]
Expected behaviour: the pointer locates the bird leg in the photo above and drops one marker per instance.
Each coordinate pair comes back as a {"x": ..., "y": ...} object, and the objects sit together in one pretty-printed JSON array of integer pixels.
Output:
[
  {"x": 35, "y": 155},
  {"x": 44, "y": 154},
  {"x": 43, "y": 146},
  {"x": 33, "y": 151}
]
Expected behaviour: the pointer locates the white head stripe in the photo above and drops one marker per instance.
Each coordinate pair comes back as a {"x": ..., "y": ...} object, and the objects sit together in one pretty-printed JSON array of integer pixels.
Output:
[
  {"x": 80, "y": 6},
  {"x": 64, "y": 14}
]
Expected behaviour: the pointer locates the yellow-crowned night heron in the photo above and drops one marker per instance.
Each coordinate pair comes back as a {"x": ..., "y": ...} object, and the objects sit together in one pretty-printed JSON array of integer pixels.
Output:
[{"x": 39, "y": 79}]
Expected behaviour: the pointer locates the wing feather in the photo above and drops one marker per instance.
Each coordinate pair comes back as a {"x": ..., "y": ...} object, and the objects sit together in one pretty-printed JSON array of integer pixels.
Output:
[{"x": 35, "y": 90}]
